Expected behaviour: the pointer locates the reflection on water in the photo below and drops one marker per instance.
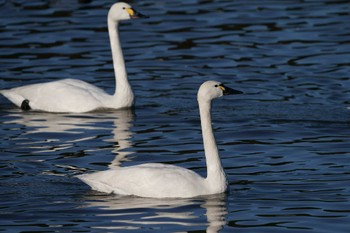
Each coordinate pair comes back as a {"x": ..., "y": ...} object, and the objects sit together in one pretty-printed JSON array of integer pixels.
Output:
[
  {"x": 128, "y": 212},
  {"x": 122, "y": 137},
  {"x": 64, "y": 130}
]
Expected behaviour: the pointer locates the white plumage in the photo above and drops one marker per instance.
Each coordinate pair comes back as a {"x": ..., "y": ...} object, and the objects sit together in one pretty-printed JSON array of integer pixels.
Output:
[
  {"x": 70, "y": 95},
  {"x": 168, "y": 181}
]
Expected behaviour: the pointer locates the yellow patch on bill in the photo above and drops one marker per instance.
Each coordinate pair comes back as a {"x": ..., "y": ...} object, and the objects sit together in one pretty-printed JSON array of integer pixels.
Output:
[
  {"x": 222, "y": 88},
  {"x": 130, "y": 11}
]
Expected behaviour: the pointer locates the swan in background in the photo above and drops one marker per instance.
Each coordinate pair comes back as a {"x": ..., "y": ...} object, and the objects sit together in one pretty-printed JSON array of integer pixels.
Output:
[
  {"x": 71, "y": 95},
  {"x": 157, "y": 180}
]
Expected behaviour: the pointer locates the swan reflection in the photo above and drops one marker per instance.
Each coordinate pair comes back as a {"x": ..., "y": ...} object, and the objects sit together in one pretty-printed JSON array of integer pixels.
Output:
[
  {"x": 39, "y": 132},
  {"x": 122, "y": 136},
  {"x": 130, "y": 212}
]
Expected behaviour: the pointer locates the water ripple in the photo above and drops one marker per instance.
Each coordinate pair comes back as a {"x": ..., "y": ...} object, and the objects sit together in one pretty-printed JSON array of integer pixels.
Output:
[{"x": 284, "y": 143}]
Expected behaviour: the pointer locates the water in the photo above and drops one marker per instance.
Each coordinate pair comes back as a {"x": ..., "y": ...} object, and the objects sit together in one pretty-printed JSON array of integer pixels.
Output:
[{"x": 284, "y": 143}]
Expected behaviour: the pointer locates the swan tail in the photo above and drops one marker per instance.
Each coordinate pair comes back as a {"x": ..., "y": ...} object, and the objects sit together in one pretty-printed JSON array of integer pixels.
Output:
[
  {"x": 15, "y": 98},
  {"x": 95, "y": 184}
]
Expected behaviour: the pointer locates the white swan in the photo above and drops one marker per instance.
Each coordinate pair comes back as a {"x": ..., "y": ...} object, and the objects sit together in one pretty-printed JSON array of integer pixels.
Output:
[
  {"x": 168, "y": 181},
  {"x": 70, "y": 95}
]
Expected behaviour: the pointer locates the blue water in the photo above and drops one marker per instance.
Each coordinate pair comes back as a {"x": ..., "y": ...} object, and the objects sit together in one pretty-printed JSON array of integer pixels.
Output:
[{"x": 285, "y": 143}]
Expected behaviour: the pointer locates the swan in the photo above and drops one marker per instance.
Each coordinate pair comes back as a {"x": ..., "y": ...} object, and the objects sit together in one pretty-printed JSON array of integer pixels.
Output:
[
  {"x": 71, "y": 95},
  {"x": 156, "y": 180}
]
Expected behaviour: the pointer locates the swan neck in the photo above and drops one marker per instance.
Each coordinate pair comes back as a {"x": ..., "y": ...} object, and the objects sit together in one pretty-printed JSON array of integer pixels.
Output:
[
  {"x": 122, "y": 84},
  {"x": 215, "y": 173}
]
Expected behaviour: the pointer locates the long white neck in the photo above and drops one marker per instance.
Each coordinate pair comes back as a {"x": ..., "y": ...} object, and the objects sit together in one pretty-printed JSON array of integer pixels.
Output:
[
  {"x": 123, "y": 92},
  {"x": 216, "y": 177}
]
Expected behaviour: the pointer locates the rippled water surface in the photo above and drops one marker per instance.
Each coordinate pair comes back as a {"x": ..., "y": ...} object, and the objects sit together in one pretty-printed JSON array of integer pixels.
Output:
[{"x": 285, "y": 143}]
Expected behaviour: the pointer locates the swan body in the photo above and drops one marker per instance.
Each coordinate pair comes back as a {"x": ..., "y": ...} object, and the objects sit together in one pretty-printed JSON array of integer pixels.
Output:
[
  {"x": 70, "y": 95},
  {"x": 158, "y": 180},
  {"x": 149, "y": 180}
]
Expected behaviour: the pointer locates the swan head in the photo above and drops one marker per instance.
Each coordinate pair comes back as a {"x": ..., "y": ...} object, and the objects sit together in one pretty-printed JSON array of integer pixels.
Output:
[
  {"x": 123, "y": 11},
  {"x": 210, "y": 90}
]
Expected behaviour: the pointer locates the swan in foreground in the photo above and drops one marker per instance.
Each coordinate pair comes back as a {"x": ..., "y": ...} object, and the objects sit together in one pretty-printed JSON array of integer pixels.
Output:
[
  {"x": 157, "y": 180},
  {"x": 71, "y": 95}
]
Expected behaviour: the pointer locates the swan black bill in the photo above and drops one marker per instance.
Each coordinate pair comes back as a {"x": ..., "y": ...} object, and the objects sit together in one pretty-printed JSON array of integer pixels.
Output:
[
  {"x": 135, "y": 14},
  {"x": 229, "y": 91}
]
